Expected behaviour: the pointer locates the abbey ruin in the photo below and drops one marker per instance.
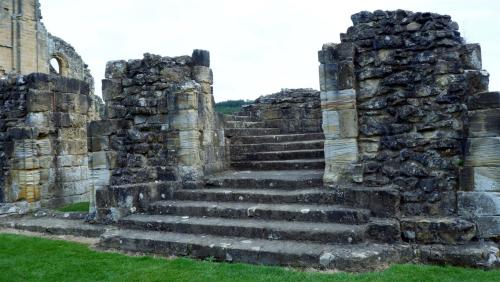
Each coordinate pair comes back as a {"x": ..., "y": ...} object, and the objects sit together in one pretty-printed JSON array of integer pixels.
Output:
[{"x": 395, "y": 159}]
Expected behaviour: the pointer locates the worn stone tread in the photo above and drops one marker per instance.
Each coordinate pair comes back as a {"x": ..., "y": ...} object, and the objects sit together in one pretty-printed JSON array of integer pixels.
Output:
[
  {"x": 298, "y": 212},
  {"x": 274, "y": 179},
  {"x": 299, "y": 164},
  {"x": 276, "y": 138},
  {"x": 56, "y": 226},
  {"x": 354, "y": 257},
  {"x": 278, "y": 146},
  {"x": 315, "y": 195},
  {"x": 280, "y": 155},
  {"x": 252, "y": 228}
]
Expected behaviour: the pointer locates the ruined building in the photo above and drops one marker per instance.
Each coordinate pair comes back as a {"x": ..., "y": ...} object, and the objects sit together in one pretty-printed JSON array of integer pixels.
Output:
[{"x": 395, "y": 159}]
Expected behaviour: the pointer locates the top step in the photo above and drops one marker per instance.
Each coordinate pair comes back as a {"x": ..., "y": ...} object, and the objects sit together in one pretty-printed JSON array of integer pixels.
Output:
[
  {"x": 275, "y": 138},
  {"x": 238, "y": 118}
]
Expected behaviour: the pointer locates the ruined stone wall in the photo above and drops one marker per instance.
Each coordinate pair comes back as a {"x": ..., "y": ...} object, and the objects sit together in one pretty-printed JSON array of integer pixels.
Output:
[
  {"x": 43, "y": 123},
  {"x": 159, "y": 128},
  {"x": 407, "y": 75},
  {"x": 290, "y": 110}
]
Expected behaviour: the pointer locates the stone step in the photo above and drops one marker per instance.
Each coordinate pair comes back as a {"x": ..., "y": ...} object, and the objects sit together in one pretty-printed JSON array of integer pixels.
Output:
[
  {"x": 279, "y": 155},
  {"x": 243, "y": 124},
  {"x": 271, "y": 147},
  {"x": 276, "y": 138},
  {"x": 250, "y": 131},
  {"x": 249, "y": 228},
  {"x": 295, "y": 212},
  {"x": 272, "y": 179},
  {"x": 346, "y": 257},
  {"x": 300, "y": 164},
  {"x": 54, "y": 226},
  {"x": 238, "y": 118},
  {"x": 265, "y": 196}
]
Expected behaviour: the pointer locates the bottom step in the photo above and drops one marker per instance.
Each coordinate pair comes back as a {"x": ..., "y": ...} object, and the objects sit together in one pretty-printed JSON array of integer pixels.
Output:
[{"x": 358, "y": 257}]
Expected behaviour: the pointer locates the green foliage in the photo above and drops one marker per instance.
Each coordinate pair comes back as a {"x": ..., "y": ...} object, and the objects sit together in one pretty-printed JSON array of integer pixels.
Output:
[
  {"x": 231, "y": 106},
  {"x": 35, "y": 259},
  {"x": 76, "y": 207}
]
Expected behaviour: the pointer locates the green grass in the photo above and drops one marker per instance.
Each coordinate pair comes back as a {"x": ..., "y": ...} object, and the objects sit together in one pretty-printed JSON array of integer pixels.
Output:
[
  {"x": 35, "y": 259},
  {"x": 230, "y": 106},
  {"x": 76, "y": 207}
]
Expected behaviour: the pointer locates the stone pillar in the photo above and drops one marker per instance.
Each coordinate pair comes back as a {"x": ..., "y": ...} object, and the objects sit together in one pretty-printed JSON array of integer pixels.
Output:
[
  {"x": 338, "y": 105},
  {"x": 479, "y": 199}
]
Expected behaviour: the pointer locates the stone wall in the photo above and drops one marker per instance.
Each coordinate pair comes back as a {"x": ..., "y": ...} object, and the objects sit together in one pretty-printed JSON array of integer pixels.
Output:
[
  {"x": 43, "y": 155},
  {"x": 407, "y": 75},
  {"x": 290, "y": 110},
  {"x": 159, "y": 130},
  {"x": 479, "y": 199}
]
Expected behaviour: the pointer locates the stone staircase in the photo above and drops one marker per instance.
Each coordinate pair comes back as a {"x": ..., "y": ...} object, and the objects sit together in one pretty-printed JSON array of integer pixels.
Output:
[{"x": 271, "y": 208}]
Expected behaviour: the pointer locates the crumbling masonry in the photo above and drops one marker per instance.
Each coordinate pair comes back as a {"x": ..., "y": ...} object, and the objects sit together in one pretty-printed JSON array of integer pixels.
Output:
[{"x": 395, "y": 159}]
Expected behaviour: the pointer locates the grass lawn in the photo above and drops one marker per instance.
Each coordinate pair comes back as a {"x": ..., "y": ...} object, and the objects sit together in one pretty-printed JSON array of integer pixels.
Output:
[
  {"x": 76, "y": 207},
  {"x": 35, "y": 259}
]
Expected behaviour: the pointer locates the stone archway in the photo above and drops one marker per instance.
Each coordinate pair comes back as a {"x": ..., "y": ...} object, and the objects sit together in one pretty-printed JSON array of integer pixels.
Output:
[{"x": 59, "y": 64}]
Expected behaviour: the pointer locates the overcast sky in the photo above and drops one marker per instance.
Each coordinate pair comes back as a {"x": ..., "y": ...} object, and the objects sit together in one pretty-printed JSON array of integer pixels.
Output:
[{"x": 256, "y": 47}]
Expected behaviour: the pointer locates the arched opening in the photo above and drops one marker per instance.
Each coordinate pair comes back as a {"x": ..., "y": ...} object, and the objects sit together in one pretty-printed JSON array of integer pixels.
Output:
[
  {"x": 58, "y": 64},
  {"x": 55, "y": 67}
]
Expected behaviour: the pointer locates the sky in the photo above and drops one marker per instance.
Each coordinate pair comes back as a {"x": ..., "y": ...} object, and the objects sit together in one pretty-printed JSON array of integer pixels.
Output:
[{"x": 256, "y": 47}]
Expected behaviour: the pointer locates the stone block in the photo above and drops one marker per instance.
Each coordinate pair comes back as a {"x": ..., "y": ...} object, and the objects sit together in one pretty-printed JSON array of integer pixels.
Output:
[
  {"x": 488, "y": 227},
  {"x": 39, "y": 101},
  {"x": 100, "y": 143},
  {"x": 66, "y": 102},
  {"x": 480, "y": 179},
  {"x": 341, "y": 151},
  {"x": 72, "y": 174},
  {"x": 185, "y": 120},
  {"x": 345, "y": 78},
  {"x": 484, "y": 100},
  {"x": 100, "y": 128},
  {"x": 38, "y": 119},
  {"x": 111, "y": 89},
  {"x": 472, "y": 57},
  {"x": 116, "y": 69},
  {"x": 484, "y": 123},
  {"x": 437, "y": 230},
  {"x": 483, "y": 152},
  {"x": 330, "y": 73},
  {"x": 201, "y": 58},
  {"x": 203, "y": 74},
  {"x": 187, "y": 100},
  {"x": 100, "y": 177},
  {"x": 479, "y": 203},
  {"x": 340, "y": 124},
  {"x": 338, "y": 100},
  {"x": 77, "y": 147}
]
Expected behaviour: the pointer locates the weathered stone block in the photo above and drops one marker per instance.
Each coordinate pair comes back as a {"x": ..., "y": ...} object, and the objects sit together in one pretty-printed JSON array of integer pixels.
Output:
[
  {"x": 488, "y": 227},
  {"x": 442, "y": 230},
  {"x": 484, "y": 123},
  {"x": 340, "y": 124},
  {"x": 480, "y": 179},
  {"x": 116, "y": 69},
  {"x": 111, "y": 89},
  {"x": 39, "y": 101},
  {"x": 478, "y": 203},
  {"x": 485, "y": 100},
  {"x": 100, "y": 128},
  {"x": 338, "y": 100},
  {"x": 341, "y": 151},
  {"x": 472, "y": 57},
  {"x": 203, "y": 74},
  {"x": 201, "y": 58},
  {"x": 483, "y": 152}
]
